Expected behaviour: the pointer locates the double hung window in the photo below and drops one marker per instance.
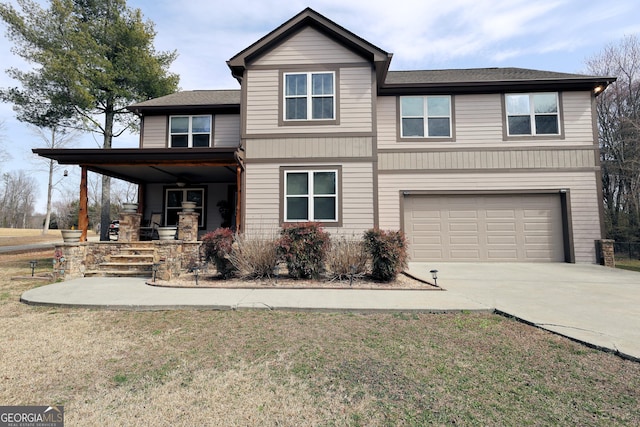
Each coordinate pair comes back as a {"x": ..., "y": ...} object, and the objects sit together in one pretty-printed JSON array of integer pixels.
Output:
[
  {"x": 309, "y": 96},
  {"x": 189, "y": 131},
  {"x": 425, "y": 116},
  {"x": 311, "y": 196},
  {"x": 173, "y": 203},
  {"x": 532, "y": 114}
]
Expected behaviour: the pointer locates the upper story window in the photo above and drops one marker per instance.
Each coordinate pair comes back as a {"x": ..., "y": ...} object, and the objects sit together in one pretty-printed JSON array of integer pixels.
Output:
[
  {"x": 425, "y": 116},
  {"x": 532, "y": 114},
  {"x": 311, "y": 195},
  {"x": 309, "y": 96},
  {"x": 189, "y": 131}
]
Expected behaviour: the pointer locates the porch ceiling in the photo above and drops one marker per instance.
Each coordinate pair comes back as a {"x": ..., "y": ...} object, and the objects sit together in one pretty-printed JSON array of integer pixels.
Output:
[{"x": 165, "y": 165}]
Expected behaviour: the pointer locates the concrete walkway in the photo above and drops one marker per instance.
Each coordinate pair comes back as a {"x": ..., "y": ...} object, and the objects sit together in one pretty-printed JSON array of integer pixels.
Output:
[{"x": 588, "y": 303}]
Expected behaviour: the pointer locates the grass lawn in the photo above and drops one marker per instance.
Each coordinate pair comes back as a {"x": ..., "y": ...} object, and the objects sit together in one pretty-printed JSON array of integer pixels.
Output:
[
  {"x": 240, "y": 368},
  {"x": 628, "y": 264}
]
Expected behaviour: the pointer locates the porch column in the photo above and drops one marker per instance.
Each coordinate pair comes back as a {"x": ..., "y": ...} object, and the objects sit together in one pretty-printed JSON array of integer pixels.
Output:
[{"x": 83, "y": 212}]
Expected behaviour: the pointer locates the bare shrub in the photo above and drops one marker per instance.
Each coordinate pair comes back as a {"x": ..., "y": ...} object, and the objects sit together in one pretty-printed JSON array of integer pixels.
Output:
[
  {"x": 254, "y": 257},
  {"x": 346, "y": 257}
]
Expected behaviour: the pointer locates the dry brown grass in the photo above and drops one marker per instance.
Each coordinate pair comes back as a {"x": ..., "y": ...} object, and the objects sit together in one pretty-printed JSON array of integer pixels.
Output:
[
  {"x": 24, "y": 236},
  {"x": 239, "y": 368}
]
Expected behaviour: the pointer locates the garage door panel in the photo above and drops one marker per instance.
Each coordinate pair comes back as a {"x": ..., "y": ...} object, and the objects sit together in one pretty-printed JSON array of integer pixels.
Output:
[
  {"x": 502, "y": 255},
  {"x": 501, "y": 227},
  {"x": 484, "y": 228}
]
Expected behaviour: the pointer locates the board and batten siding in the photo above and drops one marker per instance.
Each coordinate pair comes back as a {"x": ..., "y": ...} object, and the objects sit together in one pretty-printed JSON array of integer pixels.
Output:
[
  {"x": 286, "y": 148},
  {"x": 581, "y": 186},
  {"x": 489, "y": 159},
  {"x": 479, "y": 122},
  {"x": 354, "y": 107},
  {"x": 262, "y": 200},
  {"x": 226, "y": 130},
  {"x": 154, "y": 132},
  {"x": 308, "y": 46}
]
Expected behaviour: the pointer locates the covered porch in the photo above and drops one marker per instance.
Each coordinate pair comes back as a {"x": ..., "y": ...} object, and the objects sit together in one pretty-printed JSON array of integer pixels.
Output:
[{"x": 210, "y": 177}]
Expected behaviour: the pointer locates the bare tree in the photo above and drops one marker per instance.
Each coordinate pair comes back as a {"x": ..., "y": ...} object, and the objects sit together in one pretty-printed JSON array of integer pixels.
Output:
[
  {"x": 619, "y": 125},
  {"x": 4, "y": 156},
  {"x": 52, "y": 137},
  {"x": 17, "y": 195}
]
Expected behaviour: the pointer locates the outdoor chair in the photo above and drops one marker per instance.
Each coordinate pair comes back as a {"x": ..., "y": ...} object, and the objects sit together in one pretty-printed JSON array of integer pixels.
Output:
[{"x": 150, "y": 231}]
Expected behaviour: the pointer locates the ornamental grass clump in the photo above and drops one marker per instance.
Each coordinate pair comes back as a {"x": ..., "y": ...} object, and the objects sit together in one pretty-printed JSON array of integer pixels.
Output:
[
  {"x": 388, "y": 252},
  {"x": 217, "y": 247},
  {"x": 303, "y": 246},
  {"x": 254, "y": 257},
  {"x": 346, "y": 259}
]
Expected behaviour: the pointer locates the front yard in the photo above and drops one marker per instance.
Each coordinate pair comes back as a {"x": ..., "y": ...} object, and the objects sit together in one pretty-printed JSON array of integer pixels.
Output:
[{"x": 291, "y": 369}]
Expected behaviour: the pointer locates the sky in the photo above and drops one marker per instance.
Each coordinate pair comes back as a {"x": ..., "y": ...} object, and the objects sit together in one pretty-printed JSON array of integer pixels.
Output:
[{"x": 554, "y": 35}]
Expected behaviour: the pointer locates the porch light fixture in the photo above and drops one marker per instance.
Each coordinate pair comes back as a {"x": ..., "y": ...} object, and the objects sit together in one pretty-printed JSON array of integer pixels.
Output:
[
  {"x": 598, "y": 89},
  {"x": 180, "y": 184},
  {"x": 434, "y": 276},
  {"x": 33, "y": 264}
]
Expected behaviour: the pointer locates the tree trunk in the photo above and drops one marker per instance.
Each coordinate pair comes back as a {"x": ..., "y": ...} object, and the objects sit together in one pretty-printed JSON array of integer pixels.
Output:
[{"x": 105, "y": 211}]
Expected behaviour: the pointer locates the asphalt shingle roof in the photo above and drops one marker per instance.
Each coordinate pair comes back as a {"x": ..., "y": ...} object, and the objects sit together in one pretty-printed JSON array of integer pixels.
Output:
[
  {"x": 193, "y": 98},
  {"x": 476, "y": 75}
]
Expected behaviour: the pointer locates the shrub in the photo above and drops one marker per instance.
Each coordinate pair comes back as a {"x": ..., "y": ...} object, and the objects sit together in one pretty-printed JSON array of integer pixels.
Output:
[
  {"x": 388, "y": 251},
  {"x": 303, "y": 247},
  {"x": 254, "y": 257},
  {"x": 343, "y": 255},
  {"x": 217, "y": 248}
]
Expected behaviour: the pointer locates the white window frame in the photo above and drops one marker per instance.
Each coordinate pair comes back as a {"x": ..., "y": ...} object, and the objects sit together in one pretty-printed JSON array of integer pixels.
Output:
[
  {"x": 311, "y": 196},
  {"x": 426, "y": 117},
  {"x": 532, "y": 114},
  {"x": 190, "y": 132},
  {"x": 199, "y": 209},
  {"x": 309, "y": 96}
]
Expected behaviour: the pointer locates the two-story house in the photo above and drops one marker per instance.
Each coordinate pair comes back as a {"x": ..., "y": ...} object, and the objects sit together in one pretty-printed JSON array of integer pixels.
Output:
[{"x": 494, "y": 164}]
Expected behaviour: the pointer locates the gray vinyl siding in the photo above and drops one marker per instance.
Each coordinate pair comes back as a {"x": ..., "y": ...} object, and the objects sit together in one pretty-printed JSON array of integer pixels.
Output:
[
  {"x": 581, "y": 186},
  {"x": 155, "y": 132},
  {"x": 489, "y": 159},
  {"x": 226, "y": 130},
  {"x": 308, "y": 46},
  {"x": 284, "y": 148},
  {"x": 354, "y": 104},
  {"x": 479, "y": 122},
  {"x": 262, "y": 215}
]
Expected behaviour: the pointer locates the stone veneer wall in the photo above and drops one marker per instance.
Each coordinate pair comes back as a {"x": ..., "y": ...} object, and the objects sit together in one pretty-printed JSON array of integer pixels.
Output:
[{"x": 173, "y": 257}]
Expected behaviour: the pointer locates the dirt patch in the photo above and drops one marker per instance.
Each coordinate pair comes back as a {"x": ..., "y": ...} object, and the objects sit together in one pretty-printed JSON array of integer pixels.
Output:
[{"x": 403, "y": 281}]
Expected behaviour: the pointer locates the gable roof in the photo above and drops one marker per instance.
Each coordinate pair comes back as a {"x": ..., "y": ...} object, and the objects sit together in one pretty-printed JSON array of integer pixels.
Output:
[
  {"x": 311, "y": 18},
  {"x": 192, "y": 100},
  {"x": 478, "y": 80}
]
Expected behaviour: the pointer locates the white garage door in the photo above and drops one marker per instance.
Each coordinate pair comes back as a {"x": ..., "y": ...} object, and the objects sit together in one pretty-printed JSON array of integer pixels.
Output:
[{"x": 484, "y": 228}]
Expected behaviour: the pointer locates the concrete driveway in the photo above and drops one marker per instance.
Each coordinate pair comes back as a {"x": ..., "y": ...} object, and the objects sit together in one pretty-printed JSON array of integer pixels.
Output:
[{"x": 589, "y": 303}]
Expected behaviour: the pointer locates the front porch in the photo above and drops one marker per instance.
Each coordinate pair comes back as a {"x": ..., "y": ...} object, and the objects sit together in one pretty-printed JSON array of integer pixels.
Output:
[{"x": 212, "y": 178}]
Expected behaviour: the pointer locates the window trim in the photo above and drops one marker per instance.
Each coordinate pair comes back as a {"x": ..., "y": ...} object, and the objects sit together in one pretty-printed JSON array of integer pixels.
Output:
[
  {"x": 203, "y": 216},
  {"x": 452, "y": 121},
  {"x": 282, "y": 110},
  {"x": 190, "y": 131},
  {"x": 506, "y": 136},
  {"x": 284, "y": 170}
]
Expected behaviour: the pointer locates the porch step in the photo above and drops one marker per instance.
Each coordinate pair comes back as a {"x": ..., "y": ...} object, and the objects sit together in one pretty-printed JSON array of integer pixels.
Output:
[
  {"x": 117, "y": 273},
  {"x": 135, "y": 258}
]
